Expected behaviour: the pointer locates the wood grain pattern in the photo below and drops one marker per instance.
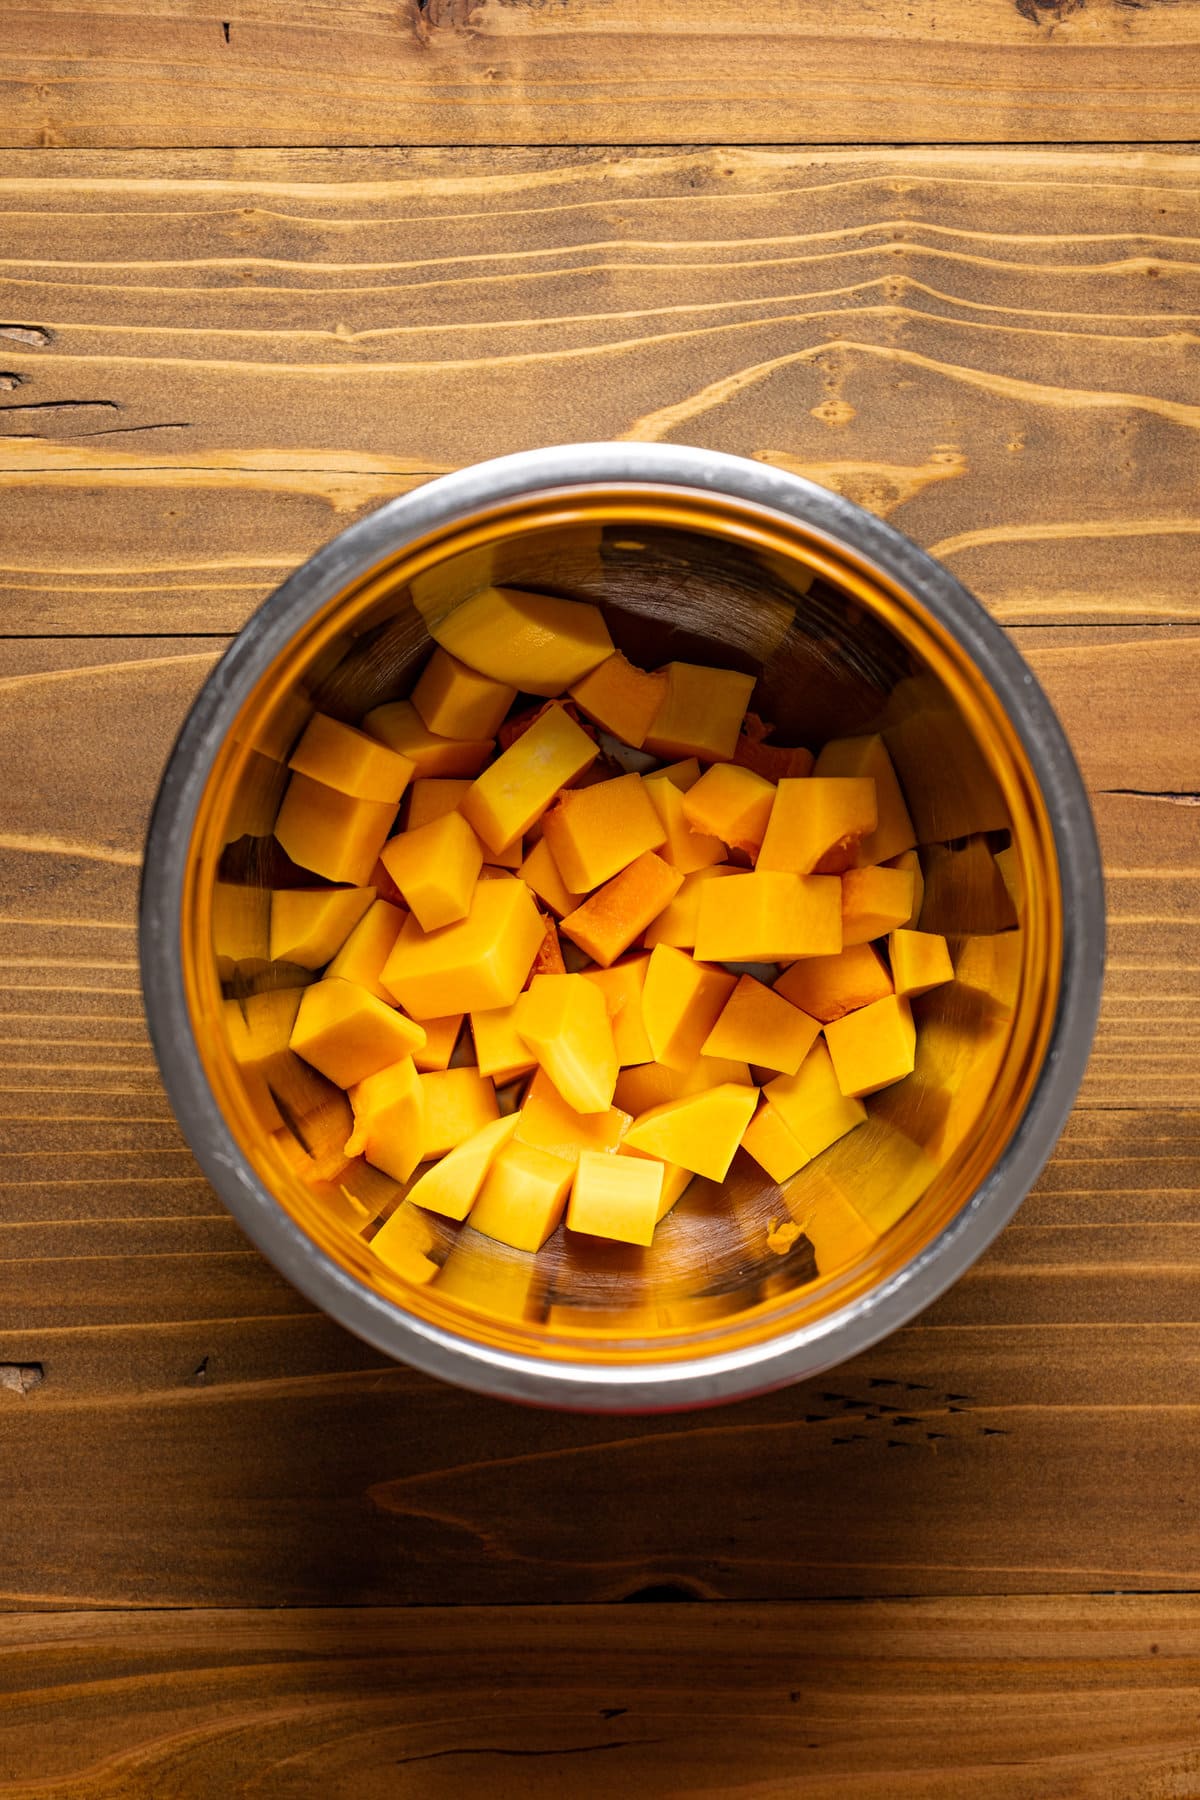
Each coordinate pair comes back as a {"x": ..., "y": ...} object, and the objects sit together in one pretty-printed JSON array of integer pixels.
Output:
[
  {"x": 583, "y": 71},
  {"x": 1030, "y": 1701},
  {"x": 214, "y": 362}
]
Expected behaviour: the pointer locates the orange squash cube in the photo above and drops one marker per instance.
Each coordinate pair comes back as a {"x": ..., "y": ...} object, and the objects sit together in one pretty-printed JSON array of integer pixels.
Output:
[
  {"x": 433, "y": 796},
  {"x": 368, "y": 947},
  {"x": 479, "y": 963},
  {"x": 759, "y": 1026},
  {"x": 773, "y": 1144},
  {"x": 681, "y": 1001},
  {"x": 622, "y": 989},
  {"x": 594, "y": 832},
  {"x": 768, "y": 917},
  {"x": 546, "y": 1120},
  {"x": 616, "y": 1197},
  {"x": 309, "y": 925},
  {"x": 732, "y": 804},
  {"x": 441, "y": 1039},
  {"x": 653, "y": 1084},
  {"x": 685, "y": 849},
  {"x": 816, "y": 825},
  {"x": 677, "y": 922},
  {"x": 400, "y": 726},
  {"x": 536, "y": 643},
  {"x": 451, "y": 1185},
  {"x": 389, "y": 1119},
  {"x": 457, "y": 702},
  {"x": 523, "y": 1197},
  {"x": 621, "y": 698},
  {"x": 347, "y": 759},
  {"x": 539, "y": 872},
  {"x": 348, "y": 1034},
  {"x": 874, "y": 902},
  {"x": 331, "y": 833},
  {"x": 675, "y": 1180},
  {"x": 701, "y": 713},
  {"x": 607, "y": 923},
  {"x": 867, "y": 759},
  {"x": 812, "y": 1105},
  {"x": 827, "y": 987},
  {"x": 910, "y": 860},
  {"x": 500, "y": 1051},
  {"x": 700, "y": 1132},
  {"x": 458, "y": 1103},
  {"x": 565, "y": 1023},
  {"x": 920, "y": 961},
  {"x": 436, "y": 869},
  {"x": 873, "y": 1047},
  {"x": 504, "y": 801}
]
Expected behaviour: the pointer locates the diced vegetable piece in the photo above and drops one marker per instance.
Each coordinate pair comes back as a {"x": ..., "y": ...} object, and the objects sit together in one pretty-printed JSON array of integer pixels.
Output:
[
  {"x": 504, "y": 801},
  {"x": 309, "y": 925},
  {"x": 400, "y": 726},
  {"x": 920, "y": 960},
  {"x": 457, "y": 702},
  {"x": 458, "y": 1103},
  {"x": 686, "y": 850},
  {"x": 911, "y": 861},
  {"x": 479, "y": 963},
  {"x": 539, "y": 872},
  {"x": 700, "y": 1132},
  {"x": 653, "y": 1083},
  {"x": 677, "y": 922},
  {"x": 675, "y": 1179},
  {"x": 874, "y": 902},
  {"x": 768, "y": 917},
  {"x": 347, "y": 759},
  {"x": 348, "y": 1034},
  {"x": 816, "y": 825},
  {"x": 523, "y": 1196},
  {"x": 769, "y": 760},
  {"x": 549, "y": 959},
  {"x": 432, "y": 796},
  {"x": 332, "y": 833},
  {"x": 594, "y": 832},
  {"x": 759, "y": 1026},
  {"x": 827, "y": 987},
  {"x": 773, "y": 1144},
  {"x": 732, "y": 804},
  {"x": 681, "y": 1001},
  {"x": 441, "y": 1038},
  {"x": 546, "y": 1120},
  {"x": 564, "y": 1020},
  {"x": 616, "y": 1197},
  {"x": 811, "y": 1103},
  {"x": 867, "y": 759},
  {"x": 873, "y": 1047},
  {"x": 535, "y": 642},
  {"x": 500, "y": 1051},
  {"x": 607, "y": 923},
  {"x": 991, "y": 965},
  {"x": 436, "y": 869},
  {"x": 701, "y": 713},
  {"x": 451, "y": 1186},
  {"x": 621, "y": 698},
  {"x": 622, "y": 989},
  {"x": 389, "y": 1119},
  {"x": 385, "y": 887},
  {"x": 368, "y": 947}
]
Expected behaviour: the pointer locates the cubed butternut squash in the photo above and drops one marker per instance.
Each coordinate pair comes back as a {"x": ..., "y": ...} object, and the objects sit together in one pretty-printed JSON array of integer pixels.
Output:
[
  {"x": 817, "y": 824},
  {"x": 480, "y": 962},
  {"x": 436, "y": 868},
  {"x": 653, "y": 1083},
  {"x": 621, "y": 698},
  {"x": 309, "y": 925},
  {"x": 769, "y": 917},
  {"x": 773, "y": 1144},
  {"x": 333, "y": 834},
  {"x": 523, "y": 1197},
  {"x": 458, "y": 1103},
  {"x": 539, "y": 872},
  {"x": 505, "y": 800},
  {"x": 457, "y": 702},
  {"x": 681, "y": 1002},
  {"x": 685, "y": 849},
  {"x": 536, "y": 643},
  {"x": 622, "y": 989},
  {"x": 920, "y": 961},
  {"x": 616, "y": 1197},
  {"x": 545, "y": 1119},
  {"x": 565, "y": 1023},
  {"x": 451, "y": 1185},
  {"x": 874, "y": 902},
  {"x": 400, "y": 726},
  {"x": 608, "y": 922},
  {"x": 700, "y": 1133},
  {"x": 349, "y": 1034},
  {"x": 594, "y": 832},
  {"x": 368, "y": 947},
  {"x": 389, "y": 1119},
  {"x": 677, "y": 923},
  {"x": 701, "y": 713},
  {"x": 811, "y": 1103},
  {"x": 731, "y": 804},
  {"x": 500, "y": 1051},
  {"x": 675, "y": 1180},
  {"x": 759, "y": 1026},
  {"x": 827, "y": 987},
  {"x": 441, "y": 1040},
  {"x": 911, "y": 861},
  {"x": 873, "y": 1047},
  {"x": 351, "y": 761},
  {"x": 866, "y": 758}
]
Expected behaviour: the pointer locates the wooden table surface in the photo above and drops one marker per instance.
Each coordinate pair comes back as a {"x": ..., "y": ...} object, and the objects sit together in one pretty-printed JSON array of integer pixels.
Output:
[{"x": 259, "y": 273}]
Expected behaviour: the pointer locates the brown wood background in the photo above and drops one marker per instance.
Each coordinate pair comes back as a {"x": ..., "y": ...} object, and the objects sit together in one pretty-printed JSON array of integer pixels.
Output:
[{"x": 240, "y": 305}]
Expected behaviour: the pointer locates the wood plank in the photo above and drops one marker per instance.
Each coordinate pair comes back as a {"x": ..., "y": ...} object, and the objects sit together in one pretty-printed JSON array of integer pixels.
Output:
[
  {"x": 585, "y": 72},
  {"x": 215, "y": 362},
  {"x": 1020, "y": 1700}
]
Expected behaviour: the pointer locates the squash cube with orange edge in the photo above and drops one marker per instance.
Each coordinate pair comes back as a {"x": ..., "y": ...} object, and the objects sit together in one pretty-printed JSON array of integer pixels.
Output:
[
  {"x": 451, "y": 1185},
  {"x": 345, "y": 758},
  {"x": 334, "y": 834},
  {"x": 816, "y": 825},
  {"x": 457, "y": 702},
  {"x": 622, "y": 987},
  {"x": 400, "y": 726},
  {"x": 827, "y": 987},
  {"x": 608, "y": 922},
  {"x": 564, "y": 1021},
  {"x": 505, "y": 800},
  {"x": 621, "y": 698},
  {"x": 759, "y": 1026},
  {"x": 616, "y": 1197},
  {"x": 873, "y": 1047},
  {"x": 595, "y": 832},
  {"x": 685, "y": 849},
  {"x": 867, "y": 759},
  {"x": 701, "y": 713},
  {"x": 436, "y": 868},
  {"x": 874, "y": 902},
  {"x": 537, "y": 643},
  {"x": 732, "y": 804},
  {"x": 524, "y": 1195},
  {"x": 700, "y": 1132},
  {"x": 768, "y": 916},
  {"x": 681, "y": 1002},
  {"x": 811, "y": 1103},
  {"x": 920, "y": 961},
  {"x": 545, "y": 1119},
  {"x": 349, "y": 1034},
  {"x": 389, "y": 1119},
  {"x": 480, "y": 962}
]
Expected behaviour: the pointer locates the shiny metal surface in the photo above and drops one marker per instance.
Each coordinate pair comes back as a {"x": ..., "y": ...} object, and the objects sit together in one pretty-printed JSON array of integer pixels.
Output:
[{"x": 701, "y": 556}]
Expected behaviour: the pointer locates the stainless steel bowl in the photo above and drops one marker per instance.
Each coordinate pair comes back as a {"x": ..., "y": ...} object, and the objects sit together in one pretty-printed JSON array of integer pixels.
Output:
[{"x": 852, "y": 628}]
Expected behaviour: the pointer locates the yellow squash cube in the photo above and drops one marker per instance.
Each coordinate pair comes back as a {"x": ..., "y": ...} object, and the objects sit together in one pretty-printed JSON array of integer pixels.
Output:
[
  {"x": 874, "y": 902},
  {"x": 812, "y": 1104},
  {"x": 539, "y": 872},
  {"x": 389, "y": 1119},
  {"x": 621, "y": 698},
  {"x": 675, "y": 1180},
  {"x": 458, "y": 1103},
  {"x": 331, "y": 833},
  {"x": 436, "y": 868},
  {"x": 685, "y": 849},
  {"x": 433, "y": 796},
  {"x": 479, "y": 963},
  {"x": 608, "y": 922},
  {"x": 653, "y": 1083},
  {"x": 457, "y": 702},
  {"x": 733, "y": 804},
  {"x": 451, "y": 1185},
  {"x": 867, "y": 759},
  {"x": 773, "y": 1144},
  {"x": 349, "y": 760},
  {"x": 368, "y": 947},
  {"x": 817, "y": 825},
  {"x": 500, "y": 1051},
  {"x": 768, "y": 917},
  {"x": 920, "y": 961},
  {"x": 565, "y": 1022},
  {"x": 534, "y": 642},
  {"x": 681, "y": 1002},
  {"x": 508, "y": 797},
  {"x": 676, "y": 924},
  {"x": 622, "y": 989},
  {"x": 828, "y": 987},
  {"x": 309, "y": 925},
  {"x": 873, "y": 1047},
  {"x": 400, "y": 726},
  {"x": 700, "y": 1132},
  {"x": 616, "y": 1197},
  {"x": 701, "y": 713},
  {"x": 594, "y": 832},
  {"x": 546, "y": 1120},
  {"x": 759, "y": 1026},
  {"x": 441, "y": 1037},
  {"x": 349, "y": 1034},
  {"x": 523, "y": 1196}
]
